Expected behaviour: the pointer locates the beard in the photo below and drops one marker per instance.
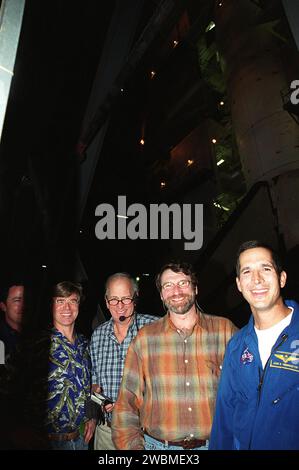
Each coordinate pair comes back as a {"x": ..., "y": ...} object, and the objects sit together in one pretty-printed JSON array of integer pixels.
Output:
[{"x": 180, "y": 308}]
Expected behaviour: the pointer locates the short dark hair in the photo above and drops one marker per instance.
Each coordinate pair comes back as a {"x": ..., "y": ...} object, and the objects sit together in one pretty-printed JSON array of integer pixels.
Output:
[
  {"x": 177, "y": 267},
  {"x": 250, "y": 244},
  {"x": 67, "y": 288},
  {"x": 5, "y": 289}
]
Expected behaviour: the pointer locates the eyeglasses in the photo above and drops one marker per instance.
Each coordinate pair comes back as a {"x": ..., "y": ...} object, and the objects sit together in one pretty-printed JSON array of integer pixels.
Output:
[
  {"x": 183, "y": 284},
  {"x": 62, "y": 302},
  {"x": 123, "y": 300}
]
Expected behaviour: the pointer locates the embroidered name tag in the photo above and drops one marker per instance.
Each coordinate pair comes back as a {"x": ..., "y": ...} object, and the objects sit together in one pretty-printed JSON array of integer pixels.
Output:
[{"x": 285, "y": 360}]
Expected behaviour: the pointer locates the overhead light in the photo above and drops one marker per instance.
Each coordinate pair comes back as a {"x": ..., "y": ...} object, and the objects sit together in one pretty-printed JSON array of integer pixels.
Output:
[
  {"x": 219, "y": 206},
  {"x": 220, "y": 162},
  {"x": 145, "y": 274},
  {"x": 190, "y": 162},
  {"x": 214, "y": 141},
  {"x": 80, "y": 231},
  {"x": 44, "y": 266},
  {"x": 162, "y": 184},
  {"x": 153, "y": 73},
  {"x": 122, "y": 90},
  {"x": 122, "y": 216},
  {"x": 221, "y": 103},
  {"x": 210, "y": 26},
  {"x": 175, "y": 43},
  {"x": 142, "y": 141},
  {"x": 137, "y": 278}
]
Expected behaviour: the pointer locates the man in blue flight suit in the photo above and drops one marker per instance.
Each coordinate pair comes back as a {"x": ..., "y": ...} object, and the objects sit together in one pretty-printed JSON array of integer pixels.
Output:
[{"x": 258, "y": 396}]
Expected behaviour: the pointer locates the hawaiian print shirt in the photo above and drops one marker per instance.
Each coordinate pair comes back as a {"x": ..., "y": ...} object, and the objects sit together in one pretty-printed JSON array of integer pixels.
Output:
[{"x": 67, "y": 382}]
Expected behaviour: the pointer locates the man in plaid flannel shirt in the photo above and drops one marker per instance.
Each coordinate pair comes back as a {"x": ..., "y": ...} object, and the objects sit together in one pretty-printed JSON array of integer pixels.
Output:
[{"x": 167, "y": 396}]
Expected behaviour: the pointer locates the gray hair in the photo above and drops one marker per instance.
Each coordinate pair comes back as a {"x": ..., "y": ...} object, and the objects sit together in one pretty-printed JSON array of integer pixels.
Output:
[{"x": 122, "y": 275}]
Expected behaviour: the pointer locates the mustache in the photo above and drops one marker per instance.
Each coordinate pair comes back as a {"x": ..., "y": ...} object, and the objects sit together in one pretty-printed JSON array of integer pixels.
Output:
[
  {"x": 186, "y": 298},
  {"x": 177, "y": 296}
]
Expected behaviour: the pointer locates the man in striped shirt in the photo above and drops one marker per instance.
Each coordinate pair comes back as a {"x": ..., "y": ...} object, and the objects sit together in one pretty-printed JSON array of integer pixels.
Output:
[
  {"x": 167, "y": 396},
  {"x": 109, "y": 345}
]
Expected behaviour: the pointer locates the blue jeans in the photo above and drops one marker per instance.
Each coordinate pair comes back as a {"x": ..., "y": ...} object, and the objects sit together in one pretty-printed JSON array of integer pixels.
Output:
[
  {"x": 152, "y": 444},
  {"x": 74, "y": 444}
]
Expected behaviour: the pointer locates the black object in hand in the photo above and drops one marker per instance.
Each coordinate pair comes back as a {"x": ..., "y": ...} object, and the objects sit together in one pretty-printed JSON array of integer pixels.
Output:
[{"x": 101, "y": 399}]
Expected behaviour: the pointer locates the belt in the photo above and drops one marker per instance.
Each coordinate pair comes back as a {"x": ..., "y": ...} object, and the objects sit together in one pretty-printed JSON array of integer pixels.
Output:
[
  {"x": 187, "y": 443},
  {"x": 64, "y": 436}
]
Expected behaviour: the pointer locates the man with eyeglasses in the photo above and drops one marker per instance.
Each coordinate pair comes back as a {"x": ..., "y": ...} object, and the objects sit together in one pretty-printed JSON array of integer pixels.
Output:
[
  {"x": 69, "y": 377},
  {"x": 167, "y": 396},
  {"x": 109, "y": 345}
]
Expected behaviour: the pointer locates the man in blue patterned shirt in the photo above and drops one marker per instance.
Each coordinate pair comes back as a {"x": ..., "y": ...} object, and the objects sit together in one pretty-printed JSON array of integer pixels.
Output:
[
  {"x": 109, "y": 345},
  {"x": 68, "y": 381}
]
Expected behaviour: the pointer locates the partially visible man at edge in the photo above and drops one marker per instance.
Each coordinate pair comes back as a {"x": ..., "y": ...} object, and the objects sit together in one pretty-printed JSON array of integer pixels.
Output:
[
  {"x": 168, "y": 391},
  {"x": 12, "y": 306}
]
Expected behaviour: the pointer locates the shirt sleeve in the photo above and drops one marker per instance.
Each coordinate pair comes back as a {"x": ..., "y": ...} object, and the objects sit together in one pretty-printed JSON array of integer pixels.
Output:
[
  {"x": 126, "y": 430},
  {"x": 93, "y": 356}
]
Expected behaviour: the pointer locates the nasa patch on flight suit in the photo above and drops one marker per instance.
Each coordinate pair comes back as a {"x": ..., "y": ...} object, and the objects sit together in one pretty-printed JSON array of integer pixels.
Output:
[
  {"x": 285, "y": 360},
  {"x": 246, "y": 357}
]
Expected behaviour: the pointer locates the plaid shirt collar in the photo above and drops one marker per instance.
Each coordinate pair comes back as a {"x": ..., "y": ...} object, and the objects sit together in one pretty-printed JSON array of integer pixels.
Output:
[
  {"x": 201, "y": 322},
  {"x": 132, "y": 330}
]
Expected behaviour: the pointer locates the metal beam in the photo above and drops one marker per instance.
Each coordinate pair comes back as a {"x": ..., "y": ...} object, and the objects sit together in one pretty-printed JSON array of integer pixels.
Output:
[
  {"x": 291, "y": 8},
  {"x": 117, "y": 64},
  {"x": 11, "y": 15},
  {"x": 116, "y": 49}
]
